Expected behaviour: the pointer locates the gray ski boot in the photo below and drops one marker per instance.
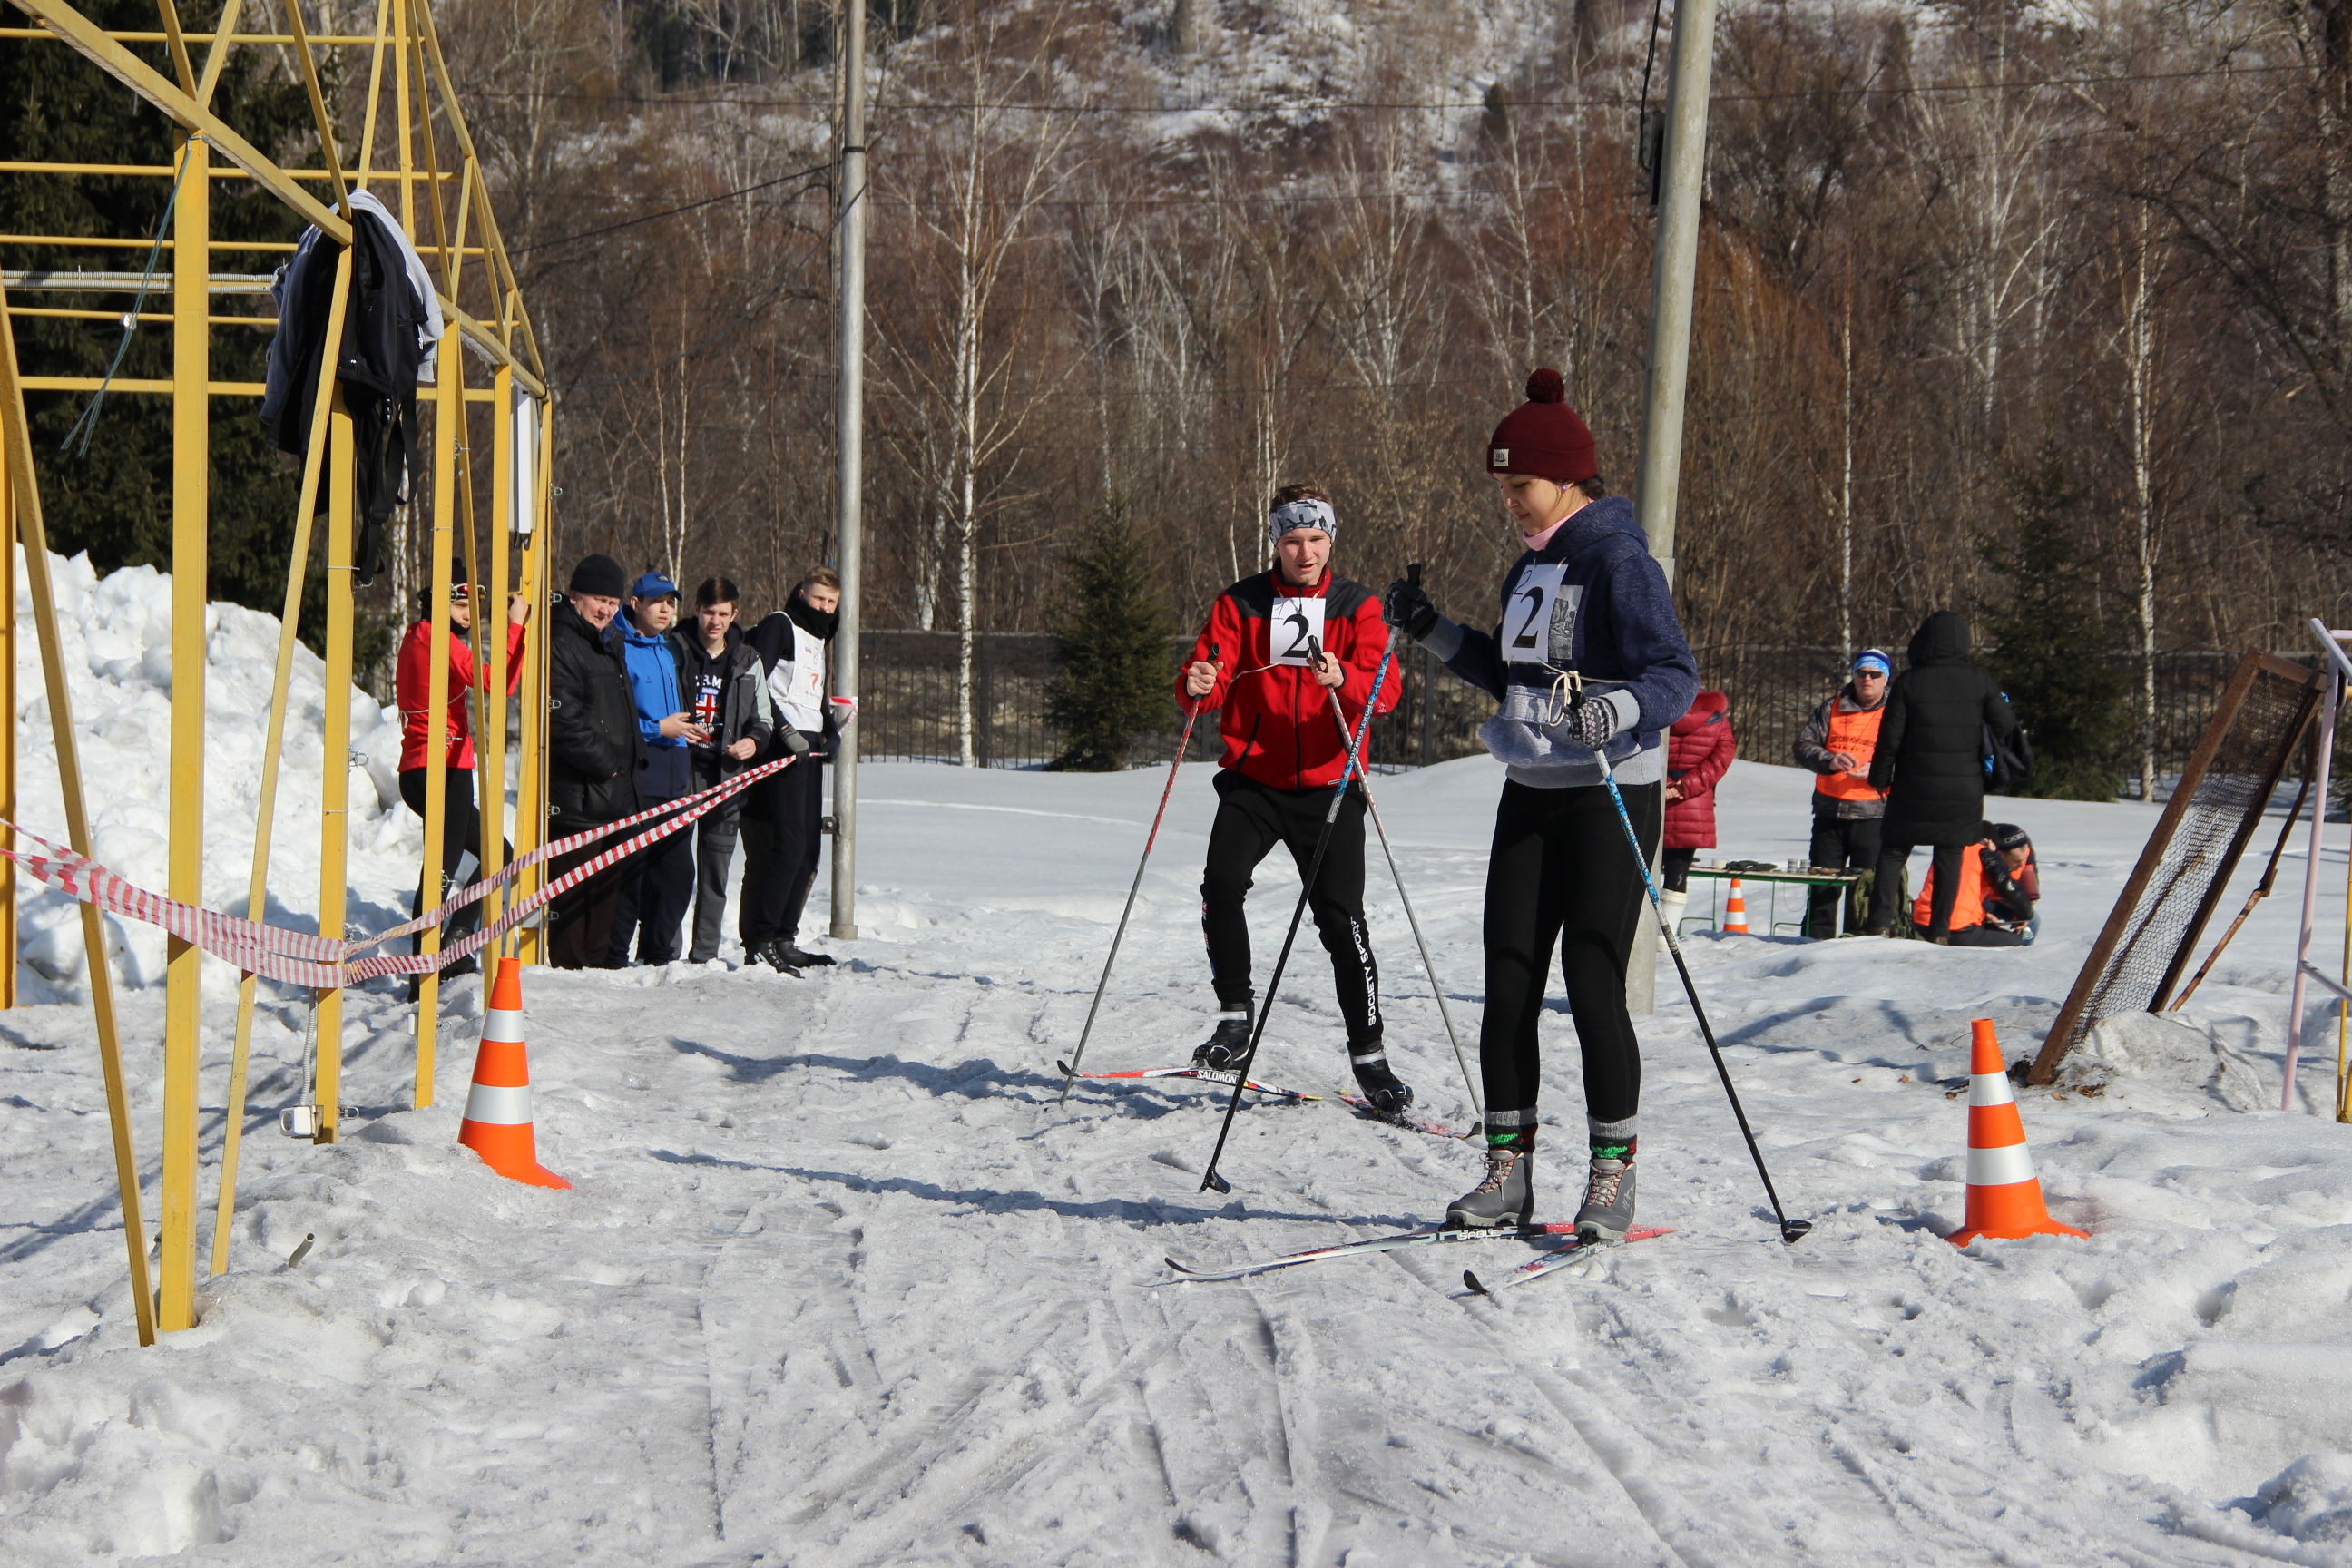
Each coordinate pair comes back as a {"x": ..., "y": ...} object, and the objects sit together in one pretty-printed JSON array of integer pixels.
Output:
[
  {"x": 1607, "y": 1211},
  {"x": 1222, "y": 1051},
  {"x": 1507, "y": 1195}
]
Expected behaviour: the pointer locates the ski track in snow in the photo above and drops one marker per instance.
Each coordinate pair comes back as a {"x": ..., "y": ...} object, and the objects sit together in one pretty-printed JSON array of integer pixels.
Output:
[{"x": 839, "y": 1285}]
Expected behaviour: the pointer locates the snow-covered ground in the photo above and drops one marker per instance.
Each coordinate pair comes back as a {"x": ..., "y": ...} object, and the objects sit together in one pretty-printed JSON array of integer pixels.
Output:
[{"x": 839, "y": 1284}]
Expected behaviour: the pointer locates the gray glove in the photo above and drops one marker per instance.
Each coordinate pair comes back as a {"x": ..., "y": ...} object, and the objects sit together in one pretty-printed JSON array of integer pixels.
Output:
[
  {"x": 1592, "y": 721},
  {"x": 795, "y": 743}
]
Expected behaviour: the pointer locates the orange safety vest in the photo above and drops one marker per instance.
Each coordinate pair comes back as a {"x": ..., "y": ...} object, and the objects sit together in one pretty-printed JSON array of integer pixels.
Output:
[
  {"x": 1967, "y": 909},
  {"x": 1854, "y": 731}
]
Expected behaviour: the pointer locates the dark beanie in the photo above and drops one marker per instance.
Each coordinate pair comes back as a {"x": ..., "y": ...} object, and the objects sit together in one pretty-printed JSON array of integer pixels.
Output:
[
  {"x": 600, "y": 575},
  {"x": 2006, "y": 835},
  {"x": 1543, "y": 437}
]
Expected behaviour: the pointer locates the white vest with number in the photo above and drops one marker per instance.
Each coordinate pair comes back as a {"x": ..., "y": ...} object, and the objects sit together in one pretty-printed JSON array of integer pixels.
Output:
[{"x": 796, "y": 686}]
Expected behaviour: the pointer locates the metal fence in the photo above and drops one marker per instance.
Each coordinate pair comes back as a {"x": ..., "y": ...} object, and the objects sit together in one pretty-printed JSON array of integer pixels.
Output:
[{"x": 907, "y": 708}]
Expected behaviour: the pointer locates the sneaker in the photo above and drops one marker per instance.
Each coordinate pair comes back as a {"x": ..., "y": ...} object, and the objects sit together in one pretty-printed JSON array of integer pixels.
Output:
[
  {"x": 1225, "y": 1047},
  {"x": 800, "y": 957},
  {"x": 1507, "y": 1195},
  {"x": 1386, "y": 1093},
  {"x": 1607, "y": 1211}
]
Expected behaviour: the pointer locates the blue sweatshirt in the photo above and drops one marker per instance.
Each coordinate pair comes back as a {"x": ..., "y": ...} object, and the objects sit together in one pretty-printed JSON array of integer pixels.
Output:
[
  {"x": 1592, "y": 603},
  {"x": 653, "y": 680}
]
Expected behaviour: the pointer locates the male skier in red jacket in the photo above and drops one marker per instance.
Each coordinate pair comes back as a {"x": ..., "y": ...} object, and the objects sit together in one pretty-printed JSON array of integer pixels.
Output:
[{"x": 1284, "y": 753}]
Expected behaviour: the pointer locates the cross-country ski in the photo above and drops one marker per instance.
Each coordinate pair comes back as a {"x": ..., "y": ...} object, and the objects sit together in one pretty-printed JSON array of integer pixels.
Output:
[
  {"x": 1558, "y": 1257},
  {"x": 1550, "y": 1232},
  {"x": 1253, "y": 1085}
]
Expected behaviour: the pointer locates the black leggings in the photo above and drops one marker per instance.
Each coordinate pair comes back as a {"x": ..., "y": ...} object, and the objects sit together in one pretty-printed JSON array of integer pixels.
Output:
[
  {"x": 1562, "y": 872},
  {"x": 1252, "y": 818},
  {"x": 1888, "y": 883},
  {"x": 461, "y": 835}
]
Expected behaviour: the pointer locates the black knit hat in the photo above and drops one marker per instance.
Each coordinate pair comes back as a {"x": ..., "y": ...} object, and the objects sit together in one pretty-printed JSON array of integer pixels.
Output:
[
  {"x": 601, "y": 575},
  {"x": 2006, "y": 835}
]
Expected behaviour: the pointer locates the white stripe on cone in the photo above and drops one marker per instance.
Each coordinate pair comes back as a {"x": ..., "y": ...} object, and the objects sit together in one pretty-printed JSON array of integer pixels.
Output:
[
  {"x": 1989, "y": 1088},
  {"x": 497, "y": 1105},
  {"x": 502, "y": 1024},
  {"x": 2000, "y": 1167}
]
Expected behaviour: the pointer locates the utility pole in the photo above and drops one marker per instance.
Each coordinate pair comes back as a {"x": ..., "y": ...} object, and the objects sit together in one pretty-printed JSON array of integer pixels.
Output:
[
  {"x": 849, "y": 438},
  {"x": 1671, "y": 279}
]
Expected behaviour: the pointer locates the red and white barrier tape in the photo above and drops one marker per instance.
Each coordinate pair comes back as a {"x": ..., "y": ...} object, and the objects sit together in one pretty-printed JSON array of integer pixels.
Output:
[{"x": 325, "y": 963}]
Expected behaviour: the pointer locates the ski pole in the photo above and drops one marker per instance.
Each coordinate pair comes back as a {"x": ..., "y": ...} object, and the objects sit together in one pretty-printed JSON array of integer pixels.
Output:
[
  {"x": 1305, "y": 889},
  {"x": 1080, "y": 1056},
  {"x": 1792, "y": 1230},
  {"x": 1413, "y": 920}
]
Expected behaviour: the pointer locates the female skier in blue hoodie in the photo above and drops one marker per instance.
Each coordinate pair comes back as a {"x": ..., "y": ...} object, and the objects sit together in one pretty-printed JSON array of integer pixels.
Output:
[{"x": 1587, "y": 656}]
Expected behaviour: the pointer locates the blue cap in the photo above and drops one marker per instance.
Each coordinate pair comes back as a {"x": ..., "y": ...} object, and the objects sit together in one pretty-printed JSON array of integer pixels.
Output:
[
  {"x": 1869, "y": 658},
  {"x": 652, "y": 585}
]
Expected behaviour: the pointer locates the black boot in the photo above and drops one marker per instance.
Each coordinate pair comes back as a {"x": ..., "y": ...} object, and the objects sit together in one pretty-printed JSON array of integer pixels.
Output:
[
  {"x": 1222, "y": 1051},
  {"x": 799, "y": 957},
  {"x": 1386, "y": 1093}
]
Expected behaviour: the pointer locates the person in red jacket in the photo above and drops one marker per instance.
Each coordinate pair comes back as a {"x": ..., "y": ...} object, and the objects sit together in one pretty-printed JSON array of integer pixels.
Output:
[
  {"x": 1258, "y": 662},
  {"x": 461, "y": 827},
  {"x": 1699, "y": 748}
]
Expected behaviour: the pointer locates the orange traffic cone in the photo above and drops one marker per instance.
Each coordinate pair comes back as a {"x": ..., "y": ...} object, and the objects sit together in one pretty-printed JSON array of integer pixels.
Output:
[
  {"x": 498, "y": 1124},
  {"x": 2004, "y": 1195},
  {"x": 1735, "y": 911}
]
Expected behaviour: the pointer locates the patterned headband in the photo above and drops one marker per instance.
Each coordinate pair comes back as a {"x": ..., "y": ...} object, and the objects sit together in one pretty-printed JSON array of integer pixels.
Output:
[{"x": 1304, "y": 512}]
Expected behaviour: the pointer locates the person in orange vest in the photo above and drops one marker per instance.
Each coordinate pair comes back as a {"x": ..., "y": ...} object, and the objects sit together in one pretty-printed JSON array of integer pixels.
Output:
[
  {"x": 2000, "y": 885},
  {"x": 1837, "y": 744}
]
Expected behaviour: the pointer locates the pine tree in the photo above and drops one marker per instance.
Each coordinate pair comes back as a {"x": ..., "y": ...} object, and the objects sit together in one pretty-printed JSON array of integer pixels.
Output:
[
  {"x": 1111, "y": 644},
  {"x": 2053, "y": 640}
]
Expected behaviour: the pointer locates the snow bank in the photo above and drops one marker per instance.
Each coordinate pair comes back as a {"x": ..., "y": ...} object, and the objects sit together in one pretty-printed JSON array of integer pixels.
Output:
[{"x": 116, "y": 638}]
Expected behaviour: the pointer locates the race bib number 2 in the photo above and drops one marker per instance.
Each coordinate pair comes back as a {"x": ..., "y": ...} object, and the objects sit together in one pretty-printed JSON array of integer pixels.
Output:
[
  {"x": 1534, "y": 611},
  {"x": 1295, "y": 624}
]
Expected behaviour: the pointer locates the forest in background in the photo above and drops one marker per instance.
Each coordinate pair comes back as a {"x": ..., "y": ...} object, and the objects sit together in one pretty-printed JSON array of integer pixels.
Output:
[{"x": 2042, "y": 315}]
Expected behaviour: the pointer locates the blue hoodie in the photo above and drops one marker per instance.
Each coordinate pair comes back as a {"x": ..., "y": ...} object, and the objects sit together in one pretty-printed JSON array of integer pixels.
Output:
[
  {"x": 1610, "y": 623},
  {"x": 653, "y": 680}
]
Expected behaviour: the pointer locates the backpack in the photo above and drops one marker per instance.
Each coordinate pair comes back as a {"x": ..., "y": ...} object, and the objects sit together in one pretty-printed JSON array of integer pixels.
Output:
[{"x": 2007, "y": 766}]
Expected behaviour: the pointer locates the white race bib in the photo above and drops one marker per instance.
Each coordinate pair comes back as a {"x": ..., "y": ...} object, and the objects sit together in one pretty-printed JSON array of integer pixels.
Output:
[
  {"x": 1528, "y": 618},
  {"x": 1293, "y": 624}
]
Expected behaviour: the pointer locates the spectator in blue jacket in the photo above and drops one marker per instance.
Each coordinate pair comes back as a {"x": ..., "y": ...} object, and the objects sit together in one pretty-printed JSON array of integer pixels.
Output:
[{"x": 657, "y": 882}]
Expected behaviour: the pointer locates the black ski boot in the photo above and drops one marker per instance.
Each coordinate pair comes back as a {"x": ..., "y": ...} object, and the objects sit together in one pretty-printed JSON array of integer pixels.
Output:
[
  {"x": 1222, "y": 1051},
  {"x": 1387, "y": 1094},
  {"x": 796, "y": 956}
]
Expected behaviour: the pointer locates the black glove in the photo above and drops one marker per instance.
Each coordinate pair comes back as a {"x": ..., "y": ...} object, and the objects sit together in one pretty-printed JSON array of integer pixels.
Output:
[
  {"x": 795, "y": 743},
  {"x": 1592, "y": 721},
  {"x": 1407, "y": 608}
]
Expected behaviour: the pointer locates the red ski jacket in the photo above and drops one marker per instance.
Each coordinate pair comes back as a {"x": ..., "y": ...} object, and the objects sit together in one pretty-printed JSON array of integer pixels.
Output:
[
  {"x": 413, "y": 690},
  {"x": 1699, "y": 748},
  {"x": 1276, "y": 718}
]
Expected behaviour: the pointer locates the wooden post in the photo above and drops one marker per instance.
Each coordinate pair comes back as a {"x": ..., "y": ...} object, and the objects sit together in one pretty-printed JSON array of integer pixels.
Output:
[
  {"x": 335, "y": 771},
  {"x": 273, "y": 748},
  {"x": 448, "y": 428},
  {"x": 191, "y": 509},
  {"x": 17, "y": 436},
  {"x": 7, "y": 730},
  {"x": 535, "y": 442},
  {"x": 491, "y": 784}
]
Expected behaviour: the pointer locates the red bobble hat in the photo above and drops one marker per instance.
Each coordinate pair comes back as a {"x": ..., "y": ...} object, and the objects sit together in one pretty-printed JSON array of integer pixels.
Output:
[{"x": 1543, "y": 437}]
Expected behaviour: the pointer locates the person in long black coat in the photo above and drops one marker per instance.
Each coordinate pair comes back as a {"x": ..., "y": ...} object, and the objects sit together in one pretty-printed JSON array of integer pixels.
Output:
[
  {"x": 593, "y": 756},
  {"x": 1931, "y": 758}
]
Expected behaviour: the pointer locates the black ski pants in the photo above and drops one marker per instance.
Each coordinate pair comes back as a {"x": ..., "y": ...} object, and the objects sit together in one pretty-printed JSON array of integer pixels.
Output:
[
  {"x": 461, "y": 835},
  {"x": 1252, "y": 818},
  {"x": 656, "y": 889},
  {"x": 1561, "y": 872},
  {"x": 783, "y": 838},
  {"x": 1843, "y": 843},
  {"x": 1888, "y": 886}
]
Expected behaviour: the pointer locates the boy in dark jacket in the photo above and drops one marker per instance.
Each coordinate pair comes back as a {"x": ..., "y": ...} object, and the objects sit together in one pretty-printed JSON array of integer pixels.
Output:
[
  {"x": 592, "y": 755},
  {"x": 784, "y": 822},
  {"x": 726, "y": 690},
  {"x": 1284, "y": 753},
  {"x": 658, "y": 881},
  {"x": 1931, "y": 762}
]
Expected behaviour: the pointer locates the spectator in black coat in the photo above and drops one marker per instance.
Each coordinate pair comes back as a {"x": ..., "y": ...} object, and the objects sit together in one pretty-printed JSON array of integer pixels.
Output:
[
  {"x": 1931, "y": 761},
  {"x": 594, "y": 755}
]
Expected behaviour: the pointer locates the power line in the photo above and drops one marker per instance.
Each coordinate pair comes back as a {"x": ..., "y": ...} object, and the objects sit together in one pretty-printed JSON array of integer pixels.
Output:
[
  {"x": 673, "y": 212},
  {"x": 1621, "y": 100}
]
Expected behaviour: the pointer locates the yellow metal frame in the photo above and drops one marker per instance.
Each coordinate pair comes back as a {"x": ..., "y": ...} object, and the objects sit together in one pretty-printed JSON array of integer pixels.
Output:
[{"x": 484, "y": 308}]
